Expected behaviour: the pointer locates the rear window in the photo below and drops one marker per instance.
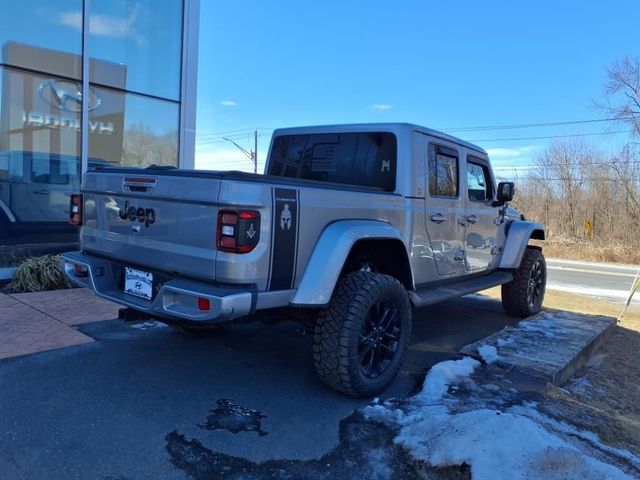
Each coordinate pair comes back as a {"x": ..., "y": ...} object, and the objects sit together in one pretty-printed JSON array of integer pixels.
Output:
[{"x": 364, "y": 159}]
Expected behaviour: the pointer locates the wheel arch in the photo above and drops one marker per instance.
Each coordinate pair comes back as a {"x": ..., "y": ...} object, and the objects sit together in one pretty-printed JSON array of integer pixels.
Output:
[
  {"x": 333, "y": 255},
  {"x": 386, "y": 255},
  {"x": 518, "y": 236}
]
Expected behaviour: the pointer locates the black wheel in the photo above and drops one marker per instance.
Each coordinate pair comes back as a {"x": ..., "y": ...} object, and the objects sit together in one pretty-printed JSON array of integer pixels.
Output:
[
  {"x": 523, "y": 296},
  {"x": 359, "y": 341}
]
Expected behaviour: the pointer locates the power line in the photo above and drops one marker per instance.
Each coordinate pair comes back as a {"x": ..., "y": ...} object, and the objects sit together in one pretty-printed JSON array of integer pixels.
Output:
[
  {"x": 550, "y": 136},
  {"x": 225, "y": 132},
  {"x": 222, "y": 139},
  {"x": 533, "y": 125},
  {"x": 465, "y": 129},
  {"x": 229, "y": 132},
  {"x": 607, "y": 163},
  {"x": 457, "y": 129}
]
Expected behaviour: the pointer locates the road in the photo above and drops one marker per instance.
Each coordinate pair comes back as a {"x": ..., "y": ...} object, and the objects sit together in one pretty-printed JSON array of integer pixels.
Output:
[
  {"x": 594, "y": 279},
  {"x": 243, "y": 403}
]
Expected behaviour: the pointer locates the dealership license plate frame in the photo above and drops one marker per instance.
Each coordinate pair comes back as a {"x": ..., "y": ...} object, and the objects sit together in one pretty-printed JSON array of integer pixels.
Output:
[{"x": 138, "y": 283}]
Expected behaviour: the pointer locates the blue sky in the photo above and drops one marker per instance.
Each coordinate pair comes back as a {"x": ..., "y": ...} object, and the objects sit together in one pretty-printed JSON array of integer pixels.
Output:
[{"x": 440, "y": 64}]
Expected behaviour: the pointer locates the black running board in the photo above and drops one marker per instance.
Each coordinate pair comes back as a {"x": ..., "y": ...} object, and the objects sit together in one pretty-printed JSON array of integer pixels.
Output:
[{"x": 430, "y": 295}]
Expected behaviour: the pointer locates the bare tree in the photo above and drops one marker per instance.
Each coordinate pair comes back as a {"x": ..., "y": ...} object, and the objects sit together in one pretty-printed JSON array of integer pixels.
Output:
[
  {"x": 622, "y": 92},
  {"x": 143, "y": 147}
]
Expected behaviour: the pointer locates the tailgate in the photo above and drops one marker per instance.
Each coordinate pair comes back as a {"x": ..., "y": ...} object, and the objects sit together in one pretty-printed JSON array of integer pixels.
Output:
[{"x": 165, "y": 221}]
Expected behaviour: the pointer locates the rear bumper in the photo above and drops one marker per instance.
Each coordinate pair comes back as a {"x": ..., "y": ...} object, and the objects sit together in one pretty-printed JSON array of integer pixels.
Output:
[{"x": 177, "y": 298}]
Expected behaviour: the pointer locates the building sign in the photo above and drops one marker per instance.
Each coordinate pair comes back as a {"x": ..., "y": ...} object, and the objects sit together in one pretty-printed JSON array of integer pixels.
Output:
[{"x": 50, "y": 120}]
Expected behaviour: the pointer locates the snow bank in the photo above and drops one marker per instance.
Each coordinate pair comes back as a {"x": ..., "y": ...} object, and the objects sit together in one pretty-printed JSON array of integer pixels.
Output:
[
  {"x": 444, "y": 429},
  {"x": 498, "y": 446}
]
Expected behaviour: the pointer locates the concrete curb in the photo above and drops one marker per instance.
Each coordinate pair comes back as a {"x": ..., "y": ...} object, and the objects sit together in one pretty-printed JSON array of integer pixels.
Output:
[{"x": 551, "y": 346}]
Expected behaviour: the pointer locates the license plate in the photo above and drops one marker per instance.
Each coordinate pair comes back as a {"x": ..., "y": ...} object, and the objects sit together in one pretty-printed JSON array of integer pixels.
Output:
[{"x": 138, "y": 283}]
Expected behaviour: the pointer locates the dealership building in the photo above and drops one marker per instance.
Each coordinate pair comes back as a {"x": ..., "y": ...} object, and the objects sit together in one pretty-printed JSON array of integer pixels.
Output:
[{"x": 85, "y": 83}]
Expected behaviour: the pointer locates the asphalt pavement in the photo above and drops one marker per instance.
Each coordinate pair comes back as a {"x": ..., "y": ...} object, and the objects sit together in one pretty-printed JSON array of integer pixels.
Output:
[
  {"x": 243, "y": 403},
  {"x": 610, "y": 281}
]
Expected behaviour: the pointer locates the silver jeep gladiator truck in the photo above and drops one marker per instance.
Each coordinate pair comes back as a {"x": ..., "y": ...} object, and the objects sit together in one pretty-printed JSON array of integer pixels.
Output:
[{"x": 350, "y": 227}]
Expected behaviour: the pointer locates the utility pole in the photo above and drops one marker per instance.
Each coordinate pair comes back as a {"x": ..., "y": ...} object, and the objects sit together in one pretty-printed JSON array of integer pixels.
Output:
[
  {"x": 255, "y": 151},
  {"x": 251, "y": 155}
]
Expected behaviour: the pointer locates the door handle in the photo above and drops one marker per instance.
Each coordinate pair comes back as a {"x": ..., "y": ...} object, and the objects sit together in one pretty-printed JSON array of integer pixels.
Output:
[
  {"x": 438, "y": 218},
  {"x": 472, "y": 219},
  {"x": 41, "y": 192}
]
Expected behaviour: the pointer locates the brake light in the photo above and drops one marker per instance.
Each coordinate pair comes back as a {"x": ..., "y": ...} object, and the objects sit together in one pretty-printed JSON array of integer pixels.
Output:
[
  {"x": 238, "y": 232},
  {"x": 204, "y": 304},
  {"x": 75, "y": 209},
  {"x": 80, "y": 271}
]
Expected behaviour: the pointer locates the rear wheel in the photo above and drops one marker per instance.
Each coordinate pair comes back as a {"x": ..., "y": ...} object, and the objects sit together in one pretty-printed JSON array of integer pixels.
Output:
[
  {"x": 523, "y": 296},
  {"x": 359, "y": 341}
]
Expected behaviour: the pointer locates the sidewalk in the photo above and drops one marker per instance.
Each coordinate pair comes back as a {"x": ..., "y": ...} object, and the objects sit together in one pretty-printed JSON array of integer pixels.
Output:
[{"x": 39, "y": 321}]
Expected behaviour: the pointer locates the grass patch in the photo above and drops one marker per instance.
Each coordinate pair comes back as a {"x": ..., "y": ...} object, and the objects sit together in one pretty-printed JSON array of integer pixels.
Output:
[{"x": 38, "y": 274}]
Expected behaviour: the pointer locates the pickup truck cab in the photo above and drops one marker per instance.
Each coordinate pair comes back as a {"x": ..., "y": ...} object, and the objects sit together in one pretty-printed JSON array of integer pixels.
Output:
[{"x": 350, "y": 227}]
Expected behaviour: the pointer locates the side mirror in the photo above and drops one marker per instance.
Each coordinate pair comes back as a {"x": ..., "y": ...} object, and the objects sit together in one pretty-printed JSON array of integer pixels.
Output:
[{"x": 504, "y": 194}]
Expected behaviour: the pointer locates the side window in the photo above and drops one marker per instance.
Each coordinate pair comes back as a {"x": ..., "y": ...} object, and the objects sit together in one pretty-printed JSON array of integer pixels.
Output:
[
  {"x": 50, "y": 170},
  {"x": 443, "y": 171},
  {"x": 478, "y": 182},
  {"x": 364, "y": 159}
]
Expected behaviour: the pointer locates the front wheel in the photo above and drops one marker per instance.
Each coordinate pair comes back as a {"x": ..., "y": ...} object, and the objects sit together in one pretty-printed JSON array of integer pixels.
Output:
[
  {"x": 523, "y": 296},
  {"x": 359, "y": 341}
]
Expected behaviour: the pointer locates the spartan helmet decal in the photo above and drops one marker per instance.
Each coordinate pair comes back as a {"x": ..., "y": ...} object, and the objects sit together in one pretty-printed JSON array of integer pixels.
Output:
[{"x": 285, "y": 218}]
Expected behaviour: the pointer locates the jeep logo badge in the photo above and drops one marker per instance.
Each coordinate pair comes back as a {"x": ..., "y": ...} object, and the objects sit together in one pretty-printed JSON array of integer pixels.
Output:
[{"x": 142, "y": 215}]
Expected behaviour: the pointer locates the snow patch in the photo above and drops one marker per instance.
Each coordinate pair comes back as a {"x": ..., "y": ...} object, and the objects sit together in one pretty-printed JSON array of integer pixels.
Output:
[
  {"x": 606, "y": 293},
  {"x": 441, "y": 376},
  {"x": 147, "y": 325},
  {"x": 498, "y": 446},
  {"x": 488, "y": 353},
  {"x": 441, "y": 427},
  {"x": 477, "y": 296}
]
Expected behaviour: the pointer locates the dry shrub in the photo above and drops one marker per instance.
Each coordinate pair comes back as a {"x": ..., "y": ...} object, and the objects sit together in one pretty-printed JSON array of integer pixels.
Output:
[
  {"x": 37, "y": 274},
  {"x": 614, "y": 252}
]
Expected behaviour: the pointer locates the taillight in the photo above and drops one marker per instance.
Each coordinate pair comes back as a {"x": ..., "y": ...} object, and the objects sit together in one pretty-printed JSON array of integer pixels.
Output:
[
  {"x": 238, "y": 232},
  {"x": 80, "y": 271},
  {"x": 204, "y": 304},
  {"x": 75, "y": 209}
]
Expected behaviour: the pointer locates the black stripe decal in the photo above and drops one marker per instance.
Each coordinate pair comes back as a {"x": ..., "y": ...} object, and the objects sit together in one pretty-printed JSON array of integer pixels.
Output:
[{"x": 284, "y": 236}]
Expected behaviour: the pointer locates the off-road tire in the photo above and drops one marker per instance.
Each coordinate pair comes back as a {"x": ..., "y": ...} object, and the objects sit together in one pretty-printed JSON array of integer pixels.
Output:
[
  {"x": 338, "y": 333},
  {"x": 523, "y": 296}
]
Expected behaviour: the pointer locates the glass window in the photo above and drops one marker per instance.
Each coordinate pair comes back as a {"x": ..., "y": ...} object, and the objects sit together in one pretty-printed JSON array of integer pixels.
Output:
[
  {"x": 478, "y": 182},
  {"x": 54, "y": 170},
  {"x": 43, "y": 35},
  {"x": 38, "y": 114},
  {"x": 133, "y": 130},
  {"x": 137, "y": 44},
  {"x": 365, "y": 159},
  {"x": 443, "y": 172}
]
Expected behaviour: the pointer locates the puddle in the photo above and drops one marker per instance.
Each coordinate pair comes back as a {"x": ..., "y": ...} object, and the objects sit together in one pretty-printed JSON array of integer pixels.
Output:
[
  {"x": 366, "y": 450},
  {"x": 234, "y": 418}
]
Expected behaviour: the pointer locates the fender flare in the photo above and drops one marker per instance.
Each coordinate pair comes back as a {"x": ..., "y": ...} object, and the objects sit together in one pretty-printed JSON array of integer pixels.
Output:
[
  {"x": 518, "y": 236},
  {"x": 329, "y": 255}
]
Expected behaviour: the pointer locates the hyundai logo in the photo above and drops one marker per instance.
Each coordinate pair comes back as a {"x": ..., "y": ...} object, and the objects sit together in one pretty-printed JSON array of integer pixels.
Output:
[{"x": 67, "y": 96}]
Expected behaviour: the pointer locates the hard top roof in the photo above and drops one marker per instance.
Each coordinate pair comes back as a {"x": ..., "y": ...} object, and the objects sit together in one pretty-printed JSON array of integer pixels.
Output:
[{"x": 368, "y": 127}]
